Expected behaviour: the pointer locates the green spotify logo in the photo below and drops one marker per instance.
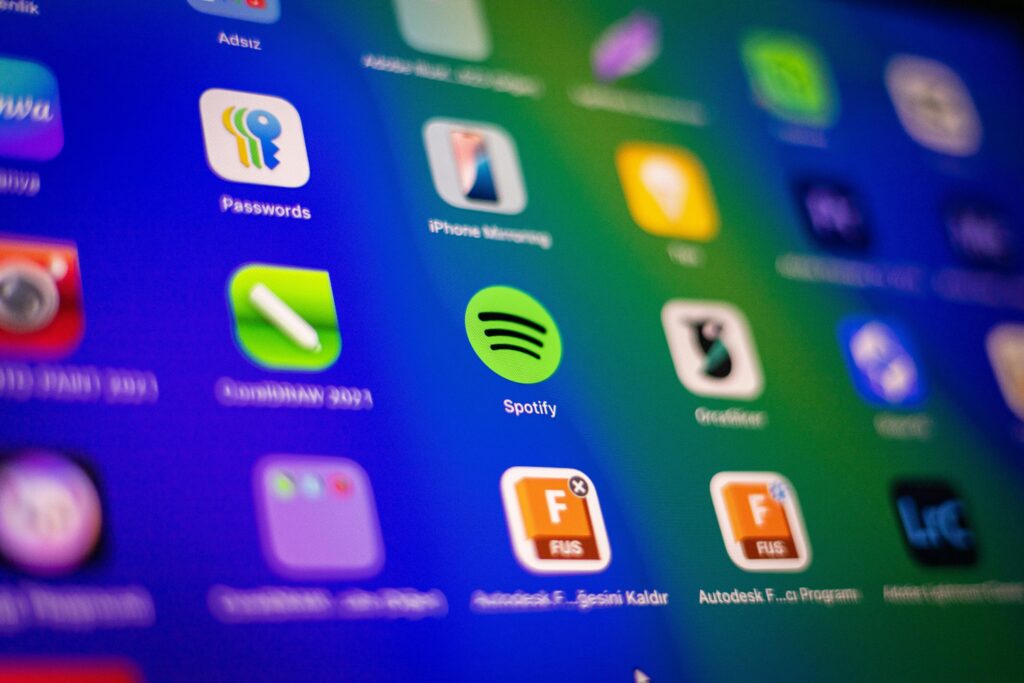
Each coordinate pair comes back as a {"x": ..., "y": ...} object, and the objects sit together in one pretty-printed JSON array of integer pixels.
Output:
[{"x": 513, "y": 334}]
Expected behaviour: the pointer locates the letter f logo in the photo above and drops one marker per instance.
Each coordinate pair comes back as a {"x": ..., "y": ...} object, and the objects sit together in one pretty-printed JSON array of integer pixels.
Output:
[
  {"x": 757, "y": 508},
  {"x": 555, "y": 508}
]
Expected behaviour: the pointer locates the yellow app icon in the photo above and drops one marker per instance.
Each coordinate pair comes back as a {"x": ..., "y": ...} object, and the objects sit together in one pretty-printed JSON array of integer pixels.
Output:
[{"x": 668, "y": 191}]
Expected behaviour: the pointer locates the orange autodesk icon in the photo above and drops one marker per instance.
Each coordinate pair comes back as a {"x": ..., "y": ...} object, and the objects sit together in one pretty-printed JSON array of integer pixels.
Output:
[
  {"x": 760, "y": 520},
  {"x": 554, "y": 520}
]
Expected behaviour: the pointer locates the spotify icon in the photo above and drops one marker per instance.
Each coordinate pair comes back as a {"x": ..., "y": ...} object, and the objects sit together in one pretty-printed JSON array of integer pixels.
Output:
[{"x": 513, "y": 334}]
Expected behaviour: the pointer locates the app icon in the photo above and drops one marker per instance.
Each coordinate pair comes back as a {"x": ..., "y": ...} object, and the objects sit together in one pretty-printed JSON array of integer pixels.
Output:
[
  {"x": 261, "y": 11},
  {"x": 449, "y": 28},
  {"x": 513, "y": 334},
  {"x": 28, "y": 669},
  {"x": 832, "y": 213},
  {"x": 934, "y": 525},
  {"x": 41, "y": 314},
  {"x": 789, "y": 78},
  {"x": 933, "y": 105},
  {"x": 51, "y": 518},
  {"x": 285, "y": 317},
  {"x": 626, "y": 47},
  {"x": 712, "y": 349},
  {"x": 762, "y": 526},
  {"x": 667, "y": 191},
  {"x": 253, "y": 138},
  {"x": 981, "y": 235},
  {"x": 882, "y": 362},
  {"x": 474, "y": 166},
  {"x": 317, "y": 517},
  {"x": 30, "y": 124},
  {"x": 1005, "y": 346},
  {"x": 554, "y": 520}
]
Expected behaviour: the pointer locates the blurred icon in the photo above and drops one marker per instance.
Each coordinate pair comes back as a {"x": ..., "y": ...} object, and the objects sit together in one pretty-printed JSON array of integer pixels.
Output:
[
  {"x": 449, "y": 28},
  {"x": 981, "y": 235},
  {"x": 474, "y": 166},
  {"x": 934, "y": 525},
  {"x": 554, "y": 520},
  {"x": 68, "y": 669},
  {"x": 790, "y": 79},
  {"x": 30, "y": 123},
  {"x": 51, "y": 518},
  {"x": 626, "y": 47},
  {"x": 712, "y": 349},
  {"x": 933, "y": 105},
  {"x": 317, "y": 517},
  {"x": 285, "y": 317},
  {"x": 761, "y": 523},
  {"x": 513, "y": 334},
  {"x": 253, "y": 138},
  {"x": 261, "y": 11},
  {"x": 41, "y": 313},
  {"x": 668, "y": 191},
  {"x": 640, "y": 677},
  {"x": 882, "y": 363},
  {"x": 1005, "y": 346},
  {"x": 833, "y": 215}
]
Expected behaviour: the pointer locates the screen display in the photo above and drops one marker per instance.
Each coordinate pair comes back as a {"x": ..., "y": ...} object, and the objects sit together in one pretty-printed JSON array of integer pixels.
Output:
[{"x": 479, "y": 340}]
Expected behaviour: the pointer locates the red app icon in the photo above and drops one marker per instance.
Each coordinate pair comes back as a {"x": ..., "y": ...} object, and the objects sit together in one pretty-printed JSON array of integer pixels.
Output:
[{"x": 41, "y": 315}]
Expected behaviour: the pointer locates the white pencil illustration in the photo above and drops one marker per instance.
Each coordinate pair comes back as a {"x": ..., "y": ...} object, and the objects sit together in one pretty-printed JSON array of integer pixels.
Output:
[{"x": 281, "y": 316}]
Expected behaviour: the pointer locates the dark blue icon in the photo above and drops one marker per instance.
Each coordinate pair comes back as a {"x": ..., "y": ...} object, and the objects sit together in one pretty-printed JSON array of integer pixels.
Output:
[
  {"x": 833, "y": 215},
  {"x": 934, "y": 523},
  {"x": 981, "y": 235}
]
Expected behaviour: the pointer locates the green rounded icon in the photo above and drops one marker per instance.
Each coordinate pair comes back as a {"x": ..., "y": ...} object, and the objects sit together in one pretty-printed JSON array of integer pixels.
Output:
[
  {"x": 513, "y": 334},
  {"x": 285, "y": 317}
]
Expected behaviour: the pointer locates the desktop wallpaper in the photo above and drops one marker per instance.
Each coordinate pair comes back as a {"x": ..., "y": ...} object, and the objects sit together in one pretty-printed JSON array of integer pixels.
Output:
[{"x": 780, "y": 239}]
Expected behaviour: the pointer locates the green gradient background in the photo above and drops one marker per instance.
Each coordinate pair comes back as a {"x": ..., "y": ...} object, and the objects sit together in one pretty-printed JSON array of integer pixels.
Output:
[{"x": 605, "y": 282}]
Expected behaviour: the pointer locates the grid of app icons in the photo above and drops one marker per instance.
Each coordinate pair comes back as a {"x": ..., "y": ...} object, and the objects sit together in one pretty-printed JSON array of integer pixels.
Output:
[{"x": 316, "y": 515}]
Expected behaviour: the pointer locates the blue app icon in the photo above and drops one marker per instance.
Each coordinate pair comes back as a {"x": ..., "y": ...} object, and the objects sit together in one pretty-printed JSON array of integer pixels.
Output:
[
  {"x": 262, "y": 11},
  {"x": 883, "y": 365}
]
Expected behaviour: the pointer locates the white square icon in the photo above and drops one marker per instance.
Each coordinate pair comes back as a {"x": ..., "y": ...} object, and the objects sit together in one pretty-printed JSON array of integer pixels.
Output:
[
  {"x": 253, "y": 138},
  {"x": 554, "y": 520},
  {"x": 933, "y": 105},
  {"x": 450, "y": 28},
  {"x": 712, "y": 349},
  {"x": 474, "y": 166}
]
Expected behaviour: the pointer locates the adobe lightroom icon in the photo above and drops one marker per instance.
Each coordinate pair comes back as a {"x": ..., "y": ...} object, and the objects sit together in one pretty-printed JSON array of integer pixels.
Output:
[{"x": 513, "y": 334}]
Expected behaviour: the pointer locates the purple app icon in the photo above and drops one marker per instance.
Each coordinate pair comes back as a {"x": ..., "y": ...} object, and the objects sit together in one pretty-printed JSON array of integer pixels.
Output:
[
  {"x": 30, "y": 124},
  {"x": 627, "y": 47},
  {"x": 317, "y": 517},
  {"x": 51, "y": 518}
]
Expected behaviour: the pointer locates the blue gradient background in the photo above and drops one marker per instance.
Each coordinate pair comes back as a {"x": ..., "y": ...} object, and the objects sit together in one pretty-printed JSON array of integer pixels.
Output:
[{"x": 132, "y": 188}]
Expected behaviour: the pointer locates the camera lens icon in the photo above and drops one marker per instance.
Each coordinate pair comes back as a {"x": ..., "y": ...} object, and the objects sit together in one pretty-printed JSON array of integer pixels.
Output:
[{"x": 29, "y": 299}]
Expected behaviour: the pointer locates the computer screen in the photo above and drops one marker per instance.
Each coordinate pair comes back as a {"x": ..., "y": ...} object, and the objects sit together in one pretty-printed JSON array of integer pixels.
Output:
[{"x": 519, "y": 341}]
